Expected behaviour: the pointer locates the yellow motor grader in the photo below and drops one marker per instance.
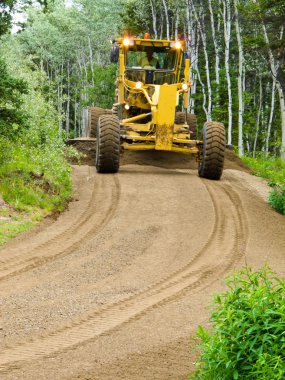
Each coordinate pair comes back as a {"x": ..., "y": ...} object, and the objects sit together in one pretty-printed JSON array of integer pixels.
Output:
[{"x": 152, "y": 86}]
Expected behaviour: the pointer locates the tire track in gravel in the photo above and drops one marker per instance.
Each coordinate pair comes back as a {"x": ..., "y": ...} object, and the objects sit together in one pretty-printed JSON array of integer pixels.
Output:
[
  {"x": 98, "y": 212},
  {"x": 224, "y": 248}
]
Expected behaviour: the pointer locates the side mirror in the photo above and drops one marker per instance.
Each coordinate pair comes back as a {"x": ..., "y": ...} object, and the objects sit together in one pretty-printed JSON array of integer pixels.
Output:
[
  {"x": 186, "y": 55},
  {"x": 114, "y": 56}
]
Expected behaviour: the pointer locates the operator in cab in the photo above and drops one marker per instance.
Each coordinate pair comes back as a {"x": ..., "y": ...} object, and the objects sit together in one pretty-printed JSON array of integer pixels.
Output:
[{"x": 149, "y": 60}]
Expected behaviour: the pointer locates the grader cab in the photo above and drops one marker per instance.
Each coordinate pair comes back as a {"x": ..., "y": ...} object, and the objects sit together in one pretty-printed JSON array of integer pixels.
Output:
[{"x": 152, "y": 89}]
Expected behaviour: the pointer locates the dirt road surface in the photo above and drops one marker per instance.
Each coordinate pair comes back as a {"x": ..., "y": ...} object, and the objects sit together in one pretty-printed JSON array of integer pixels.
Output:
[{"x": 116, "y": 287}]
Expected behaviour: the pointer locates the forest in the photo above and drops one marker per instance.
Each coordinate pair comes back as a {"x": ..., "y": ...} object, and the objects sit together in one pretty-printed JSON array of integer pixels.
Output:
[{"x": 56, "y": 62}]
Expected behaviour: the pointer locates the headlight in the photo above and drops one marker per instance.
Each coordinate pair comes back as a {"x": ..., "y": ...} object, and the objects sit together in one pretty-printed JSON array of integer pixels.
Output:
[
  {"x": 128, "y": 42},
  {"x": 184, "y": 86},
  {"x": 127, "y": 106},
  {"x": 177, "y": 45},
  {"x": 139, "y": 85}
]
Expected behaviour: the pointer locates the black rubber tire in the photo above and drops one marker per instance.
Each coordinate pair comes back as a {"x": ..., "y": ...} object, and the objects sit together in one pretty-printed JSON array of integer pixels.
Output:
[
  {"x": 95, "y": 113},
  {"x": 213, "y": 152},
  {"x": 180, "y": 118},
  {"x": 191, "y": 120},
  {"x": 116, "y": 109},
  {"x": 108, "y": 144}
]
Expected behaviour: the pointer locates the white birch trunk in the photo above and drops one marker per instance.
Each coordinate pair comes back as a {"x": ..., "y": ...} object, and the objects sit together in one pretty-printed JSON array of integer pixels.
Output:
[
  {"x": 258, "y": 117},
  {"x": 176, "y": 25},
  {"x": 201, "y": 29},
  {"x": 240, "y": 82},
  {"x": 67, "y": 121},
  {"x": 274, "y": 68},
  {"x": 161, "y": 24},
  {"x": 166, "y": 18},
  {"x": 154, "y": 18},
  {"x": 216, "y": 46},
  {"x": 203, "y": 92},
  {"x": 227, "y": 37},
  {"x": 75, "y": 118},
  {"x": 192, "y": 47},
  {"x": 270, "y": 117},
  {"x": 91, "y": 60}
]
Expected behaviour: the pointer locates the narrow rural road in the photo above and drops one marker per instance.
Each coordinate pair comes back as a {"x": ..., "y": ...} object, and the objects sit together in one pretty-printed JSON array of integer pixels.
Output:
[{"x": 116, "y": 287}]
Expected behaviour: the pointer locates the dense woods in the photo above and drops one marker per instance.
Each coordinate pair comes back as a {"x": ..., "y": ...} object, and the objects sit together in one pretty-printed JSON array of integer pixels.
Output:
[{"x": 236, "y": 49}]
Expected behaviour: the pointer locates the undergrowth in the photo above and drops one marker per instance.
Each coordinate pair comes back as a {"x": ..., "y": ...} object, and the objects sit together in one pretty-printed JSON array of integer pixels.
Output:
[
  {"x": 272, "y": 169},
  {"x": 247, "y": 340},
  {"x": 35, "y": 181},
  {"x": 34, "y": 177}
]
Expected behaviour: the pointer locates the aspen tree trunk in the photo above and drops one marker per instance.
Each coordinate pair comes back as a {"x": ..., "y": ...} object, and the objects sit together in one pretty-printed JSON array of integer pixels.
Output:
[
  {"x": 91, "y": 60},
  {"x": 201, "y": 28},
  {"x": 203, "y": 92},
  {"x": 154, "y": 18},
  {"x": 59, "y": 108},
  {"x": 176, "y": 25},
  {"x": 161, "y": 24},
  {"x": 67, "y": 121},
  {"x": 192, "y": 44},
  {"x": 227, "y": 37},
  {"x": 240, "y": 82},
  {"x": 270, "y": 117},
  {"x": 274, "y": 68},
  {"x": 75, "y": 118},
  {"x": 258, "y": 117},
  {"x": 166, "y": 18},
  {"x": 216, "y": 46}
]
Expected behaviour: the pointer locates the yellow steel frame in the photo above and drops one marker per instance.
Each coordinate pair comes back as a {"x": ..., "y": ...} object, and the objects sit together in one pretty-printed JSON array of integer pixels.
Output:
[{"x": 159, "y": 103}]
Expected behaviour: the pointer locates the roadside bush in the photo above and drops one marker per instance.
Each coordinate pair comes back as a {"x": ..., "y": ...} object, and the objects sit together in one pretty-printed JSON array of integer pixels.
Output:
[
  {"x": 35, "y": 177},
  {"x": 274, "y": 170},
  {"x": 247, "y": 340},
  {"x": 277, "y": 199}
]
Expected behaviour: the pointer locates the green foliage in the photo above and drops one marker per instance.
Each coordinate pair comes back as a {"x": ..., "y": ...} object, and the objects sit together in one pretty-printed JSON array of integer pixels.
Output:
[
  {"x": 277, "y": 199},
  {"x": 272, "y": 169},
  {"x": 134, "y": 20},
  {"x": 12, "y": 118},
  {"x": 247, "y": 339},
  {"x": 34, "y": 177},
  {"x": 6, "y": 6},
  {"x": 34, "y": 173},
  {"x": 15, "y": 226},
  {"x": 103, "y": 92}
]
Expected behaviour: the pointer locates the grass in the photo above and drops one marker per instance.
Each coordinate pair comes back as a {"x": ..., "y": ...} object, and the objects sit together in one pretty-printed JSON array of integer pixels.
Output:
[
  {"x": 34, "y": 182},
  {"x": 13, "y": 226},
  {"x": 272, "y": 169},
  {"x": 247, "y": 338}
]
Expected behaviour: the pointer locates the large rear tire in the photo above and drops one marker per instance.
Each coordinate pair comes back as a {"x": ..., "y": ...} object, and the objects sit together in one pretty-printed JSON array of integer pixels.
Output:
[
  {"x": 191, "y": 120},
  {"x": 213, "y": 153},
  {"x": 95, "y": 113},
  {"x": 180, "y": 118},
  {"x": 108, "y": 144}
]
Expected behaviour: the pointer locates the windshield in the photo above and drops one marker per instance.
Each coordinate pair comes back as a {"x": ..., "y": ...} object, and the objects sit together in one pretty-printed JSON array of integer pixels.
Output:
[{"x": 148, "y": 57}]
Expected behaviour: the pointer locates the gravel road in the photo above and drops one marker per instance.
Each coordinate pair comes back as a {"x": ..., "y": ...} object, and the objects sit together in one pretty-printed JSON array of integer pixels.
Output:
[{"x": 116, "y": 286}]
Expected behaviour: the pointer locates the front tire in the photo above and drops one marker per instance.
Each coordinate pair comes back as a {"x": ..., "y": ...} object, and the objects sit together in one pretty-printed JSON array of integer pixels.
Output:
[
  {"x": 108, "y": 144},
  {"x": 213, "y": 153}
]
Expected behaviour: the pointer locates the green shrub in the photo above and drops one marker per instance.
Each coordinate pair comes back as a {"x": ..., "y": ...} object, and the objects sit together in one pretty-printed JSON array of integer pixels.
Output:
[
  {"x": 274, "y": 170},
  {"x": 35, "y": 177},
  {"x": 277, "y": 199},
  {"x": 247, "y": 340}
]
